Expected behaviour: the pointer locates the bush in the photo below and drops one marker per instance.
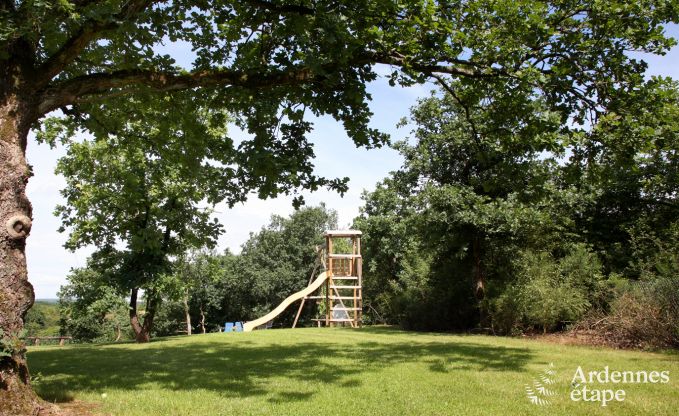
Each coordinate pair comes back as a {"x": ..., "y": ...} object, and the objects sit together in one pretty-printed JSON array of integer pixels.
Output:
[
  {"x": 548, "y": 292},
  {"x": 104, "y": 320},
  {"x": 643, "y": 315},
  {"x": 170, "y": 319},
  {"x": 425, "y": 298},
  {"x": 547, "y": 296},
  {"x": 506, "y": 311}
]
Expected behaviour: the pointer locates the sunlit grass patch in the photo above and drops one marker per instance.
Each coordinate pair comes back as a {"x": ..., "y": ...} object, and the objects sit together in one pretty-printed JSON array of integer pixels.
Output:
[{"x": 378, "y": 371}]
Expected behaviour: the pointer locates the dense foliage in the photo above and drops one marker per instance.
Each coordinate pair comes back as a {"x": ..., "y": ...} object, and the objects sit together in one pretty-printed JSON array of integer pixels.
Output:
[
  {"x": 512, "y": 224},
  {"x": 207, "y": 289},
  {"x": 525, "y": 222},
  {"x": 91, "y": 308},
  {"x": 137, "y": 190},
  {"x": 43, "y": 320},
  {"x": 269, "y": 64}
]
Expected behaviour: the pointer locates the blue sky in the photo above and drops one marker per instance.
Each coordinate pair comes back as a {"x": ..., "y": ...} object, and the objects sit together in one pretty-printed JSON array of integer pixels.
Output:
[{"x": 336, "y": 156}]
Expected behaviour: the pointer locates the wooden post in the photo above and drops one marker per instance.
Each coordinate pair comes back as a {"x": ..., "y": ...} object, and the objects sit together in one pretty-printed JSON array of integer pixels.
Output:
[
  {"x": 328, "y": 283},
  {"x": 353, "y": 268},
  {"x": 354, "y": 252},
  {"x": 359, "y": 274}
]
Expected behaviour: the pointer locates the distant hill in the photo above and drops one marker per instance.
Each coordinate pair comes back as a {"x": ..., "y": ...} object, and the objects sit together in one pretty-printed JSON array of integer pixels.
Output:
[{"x": 48, "y": 301}]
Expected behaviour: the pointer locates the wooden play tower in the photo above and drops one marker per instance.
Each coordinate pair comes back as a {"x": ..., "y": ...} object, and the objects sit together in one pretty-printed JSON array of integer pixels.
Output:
[{"x": 342, "y": 292}]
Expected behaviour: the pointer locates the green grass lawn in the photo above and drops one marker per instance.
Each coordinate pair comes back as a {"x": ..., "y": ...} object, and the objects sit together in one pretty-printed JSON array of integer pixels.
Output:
[{"x": 371, "y": 371}]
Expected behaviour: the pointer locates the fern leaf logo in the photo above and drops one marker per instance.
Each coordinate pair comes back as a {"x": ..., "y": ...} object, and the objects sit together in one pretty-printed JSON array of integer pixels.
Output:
[{"x": 539, "y": 392}]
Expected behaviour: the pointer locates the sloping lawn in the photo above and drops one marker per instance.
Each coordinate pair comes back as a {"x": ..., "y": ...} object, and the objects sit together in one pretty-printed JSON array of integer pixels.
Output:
[{"x": 371, "y": 371}]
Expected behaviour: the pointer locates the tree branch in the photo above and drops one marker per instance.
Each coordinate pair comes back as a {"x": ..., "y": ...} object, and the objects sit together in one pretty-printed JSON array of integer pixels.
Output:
[
  {"x": 88, "y": 32},
  {"x": 69, "y": 92},
  {"x": 121, "y": 82},
  {"x": 467, "y": 112},
  {"x": 430, "y": 69},
  {"x": 81, "y": 4}
]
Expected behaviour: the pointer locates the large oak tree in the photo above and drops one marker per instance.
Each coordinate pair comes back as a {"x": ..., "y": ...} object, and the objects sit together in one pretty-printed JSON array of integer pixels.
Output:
[{"x": 269, "y": 62}]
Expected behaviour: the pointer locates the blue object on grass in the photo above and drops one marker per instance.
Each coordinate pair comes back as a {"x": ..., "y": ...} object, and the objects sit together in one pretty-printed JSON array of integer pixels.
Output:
[
  {"x": 228, "y": 327},
  {"x": 239, "y": 327}
]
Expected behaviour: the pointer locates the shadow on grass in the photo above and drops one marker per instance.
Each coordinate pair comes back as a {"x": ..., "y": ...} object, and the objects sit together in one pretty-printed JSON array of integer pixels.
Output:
[
  {"x": 242, "y": 368},
  {"x": 393, "y": 330}
]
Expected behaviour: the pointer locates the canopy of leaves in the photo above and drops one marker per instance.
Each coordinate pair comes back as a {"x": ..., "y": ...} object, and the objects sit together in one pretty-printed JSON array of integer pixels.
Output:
[
  {"x": 145, "y": 183},
  {"x": 627, "y": 169},
  {"x": 477, "y": 191},
  {"x": 270, "y": 64}
]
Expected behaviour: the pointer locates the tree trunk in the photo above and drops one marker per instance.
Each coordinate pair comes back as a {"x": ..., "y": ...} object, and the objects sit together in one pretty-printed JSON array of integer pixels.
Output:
[
  {"x": 186, "y": 311},
  {"x": 479, "y": 279},
  {"x": 480, "y": 283},
  {"x": 119, "y": 333},
  {"x": 142, "y": 332},
  {"x": 202, "y": 318},
  {"x": 139, "y": 334},
  {"x": 16, "y": 293},
  {"x": 152, "y": 304}
]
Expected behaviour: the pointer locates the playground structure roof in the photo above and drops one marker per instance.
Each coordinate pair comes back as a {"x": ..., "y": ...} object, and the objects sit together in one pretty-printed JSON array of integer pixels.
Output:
[{"x": 342, "y": 233}]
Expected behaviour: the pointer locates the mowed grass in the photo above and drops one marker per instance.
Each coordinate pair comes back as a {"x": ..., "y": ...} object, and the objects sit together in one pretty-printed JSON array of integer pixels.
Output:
[{"x": 370, "y": 371}]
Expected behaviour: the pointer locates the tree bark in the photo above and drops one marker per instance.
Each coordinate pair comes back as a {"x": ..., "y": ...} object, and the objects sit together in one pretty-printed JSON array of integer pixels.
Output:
[
  {"x": 479, "y": 275},
  {"x": 142, "y": 331},
  {"x": 202, "y": 319},
  {"x": 119, "y": 333},
  {"x": 186, "y": 312},
  {"x": 137, "y": 328},
  {"x": 152, "y": 304},
  {"x": 16, "y": 293}
]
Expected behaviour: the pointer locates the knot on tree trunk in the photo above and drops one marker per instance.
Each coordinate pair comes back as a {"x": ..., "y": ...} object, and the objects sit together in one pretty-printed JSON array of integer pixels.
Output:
[
  {"x": 19, "y": 226},
  {"x": 480, "y": 289}
]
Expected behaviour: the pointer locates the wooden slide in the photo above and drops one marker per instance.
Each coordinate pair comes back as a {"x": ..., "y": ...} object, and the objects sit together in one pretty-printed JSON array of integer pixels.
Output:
[{"x": 249, "y": 326}]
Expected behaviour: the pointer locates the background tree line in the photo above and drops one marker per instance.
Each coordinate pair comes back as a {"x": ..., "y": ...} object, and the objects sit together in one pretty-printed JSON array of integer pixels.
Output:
[
  {"x": 524, "y": 223},
  {"x": 503, "y": 224},
  {"x": 205, "y": 289}
]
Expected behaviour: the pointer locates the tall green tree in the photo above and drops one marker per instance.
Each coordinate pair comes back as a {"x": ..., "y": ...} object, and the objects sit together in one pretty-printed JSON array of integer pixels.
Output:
[
  {"x": 478, "y": 181},
  {"x": 198, "y": 274},
  {"x": 478, "y": 190},
  {"x": 627, "y": 169},
  {"x": 223, "y": 299},
  {"x": 137, "y": 189},
  {"x": 268, "y": 62}
]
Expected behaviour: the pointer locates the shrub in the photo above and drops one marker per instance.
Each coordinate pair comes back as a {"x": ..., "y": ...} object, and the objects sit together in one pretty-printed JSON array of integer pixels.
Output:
[
  {"x": 548, "y": 292},
  {"x": 170, "y": 319},
  {"x": 646, "y": 314},
  {"x": 643, "y": 315}
]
